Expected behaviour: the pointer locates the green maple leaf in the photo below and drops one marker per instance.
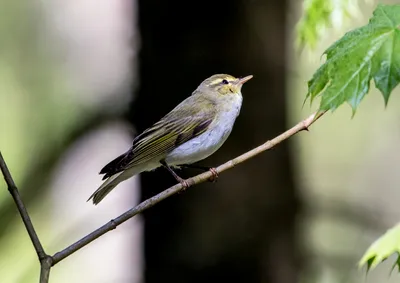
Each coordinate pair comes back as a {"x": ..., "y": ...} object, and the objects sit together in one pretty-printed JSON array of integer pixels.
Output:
[
  {"x": 369, "y": 52},
  {"x": 382, "y": 248}
]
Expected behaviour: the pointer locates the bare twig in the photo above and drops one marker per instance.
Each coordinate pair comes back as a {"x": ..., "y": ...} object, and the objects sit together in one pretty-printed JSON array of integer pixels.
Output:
[
  {"x": 12, "y": 188},
  {"x": 46, "y": 261},
  {"x": 303, "y": 125},
  {"x": 45, "y": 266}
]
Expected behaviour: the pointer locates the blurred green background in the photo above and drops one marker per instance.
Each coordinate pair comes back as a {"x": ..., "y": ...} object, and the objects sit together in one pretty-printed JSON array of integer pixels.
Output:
[{"x": 76, "y": 80}]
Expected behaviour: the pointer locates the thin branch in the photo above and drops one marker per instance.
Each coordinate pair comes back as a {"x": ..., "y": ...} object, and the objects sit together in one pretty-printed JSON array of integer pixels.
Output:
[
  {"x": 303, "y": 125},
  {"x": 39, "y": 170},
  {"x": 45, "y": 266},
  {"x": 12, "y": 188},
  {"x": 45, "y": 260}
]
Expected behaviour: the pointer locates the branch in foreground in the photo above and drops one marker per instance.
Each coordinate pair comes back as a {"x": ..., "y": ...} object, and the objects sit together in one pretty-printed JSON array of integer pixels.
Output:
[
  {"x": 46, "y": 261},
  {"x": 45, "y": 266},
  {"x": 43, "y": 257},
  {"x": 303, "y": 125}
]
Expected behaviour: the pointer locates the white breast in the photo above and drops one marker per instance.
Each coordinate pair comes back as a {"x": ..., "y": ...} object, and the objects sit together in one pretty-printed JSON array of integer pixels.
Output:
[{"x": 210, "y": 141}]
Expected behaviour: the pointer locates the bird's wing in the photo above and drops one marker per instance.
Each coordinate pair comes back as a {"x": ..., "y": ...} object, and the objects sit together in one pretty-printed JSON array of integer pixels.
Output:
[{"x": 177, "y": 127}]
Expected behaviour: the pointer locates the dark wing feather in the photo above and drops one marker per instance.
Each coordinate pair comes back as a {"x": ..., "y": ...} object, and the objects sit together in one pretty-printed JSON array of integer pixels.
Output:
[
  {"x": 113, "y": 164},
  {"x": 176, "y": 128}
]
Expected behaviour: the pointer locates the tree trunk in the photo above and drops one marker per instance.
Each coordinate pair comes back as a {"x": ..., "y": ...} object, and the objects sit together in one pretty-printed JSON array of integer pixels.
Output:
[{"x": 242, "y": 228}]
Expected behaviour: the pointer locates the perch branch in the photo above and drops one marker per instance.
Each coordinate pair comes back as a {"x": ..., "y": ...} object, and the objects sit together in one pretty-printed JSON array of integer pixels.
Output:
[
  {"x": 303, "y": 125},
  {"x": 46, "y": 261}
]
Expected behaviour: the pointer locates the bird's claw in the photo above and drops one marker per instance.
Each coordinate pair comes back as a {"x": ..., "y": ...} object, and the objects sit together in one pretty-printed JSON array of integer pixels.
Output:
[
  {"x": 185, "y": 185},
  {"x": 214, "y": 176}
]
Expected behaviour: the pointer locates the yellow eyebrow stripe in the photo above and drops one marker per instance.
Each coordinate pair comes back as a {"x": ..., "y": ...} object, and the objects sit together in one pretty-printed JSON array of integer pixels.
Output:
[{"x": 217, "y": 81}]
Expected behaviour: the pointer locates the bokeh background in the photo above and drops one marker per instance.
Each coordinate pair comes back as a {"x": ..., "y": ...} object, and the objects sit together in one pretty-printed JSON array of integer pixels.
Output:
[{"x": 78, "y": 79}]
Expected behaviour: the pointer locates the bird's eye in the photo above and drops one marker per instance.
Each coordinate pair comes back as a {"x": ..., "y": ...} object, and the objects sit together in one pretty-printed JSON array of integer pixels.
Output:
[{"x": 225, "y": 82}]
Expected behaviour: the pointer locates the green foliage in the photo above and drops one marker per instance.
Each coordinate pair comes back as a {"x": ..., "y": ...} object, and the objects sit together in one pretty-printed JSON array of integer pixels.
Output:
[
  {"x": 382, "y": 248},
  {"x": 318, "y": 15},
  {"x": 369, "y": 52}
]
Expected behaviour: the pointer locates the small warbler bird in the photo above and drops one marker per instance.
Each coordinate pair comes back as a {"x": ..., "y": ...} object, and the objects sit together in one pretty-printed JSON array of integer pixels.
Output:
[{"x": 192, "y": 131}]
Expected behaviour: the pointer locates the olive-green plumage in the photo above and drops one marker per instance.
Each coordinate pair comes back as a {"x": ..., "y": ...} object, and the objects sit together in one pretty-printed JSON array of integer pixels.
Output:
[{"x": 192, "y": 131}]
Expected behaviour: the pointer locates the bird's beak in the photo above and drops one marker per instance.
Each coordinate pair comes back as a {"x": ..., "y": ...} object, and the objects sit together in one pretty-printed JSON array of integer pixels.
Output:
[{"x": 241, "y": 81}]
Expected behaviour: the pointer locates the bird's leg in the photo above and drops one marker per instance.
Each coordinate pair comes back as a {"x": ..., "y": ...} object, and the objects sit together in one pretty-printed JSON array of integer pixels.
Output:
[
  {"x": 183, "y": 182},
  {"x": 213, "y": 171}
]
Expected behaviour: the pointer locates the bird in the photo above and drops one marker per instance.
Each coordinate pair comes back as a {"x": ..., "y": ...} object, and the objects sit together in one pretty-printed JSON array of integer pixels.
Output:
[{"x": 195, "y": 129}]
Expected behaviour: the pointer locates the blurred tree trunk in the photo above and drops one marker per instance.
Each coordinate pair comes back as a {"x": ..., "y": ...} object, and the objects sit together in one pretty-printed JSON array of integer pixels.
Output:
[{"x": 242, "y": 228}]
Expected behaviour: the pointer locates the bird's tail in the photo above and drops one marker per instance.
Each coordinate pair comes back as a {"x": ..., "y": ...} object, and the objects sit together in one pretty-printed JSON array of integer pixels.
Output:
[{"x": 107, "y": 187}]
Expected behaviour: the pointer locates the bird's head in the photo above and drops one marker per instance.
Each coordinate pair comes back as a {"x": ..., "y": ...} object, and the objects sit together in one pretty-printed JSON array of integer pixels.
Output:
[{"x": 222, "y": 84}]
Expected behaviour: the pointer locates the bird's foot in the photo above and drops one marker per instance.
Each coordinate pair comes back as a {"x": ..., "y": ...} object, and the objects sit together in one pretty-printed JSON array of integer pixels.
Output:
[
  {"x": 214, "y": 176},
  {"x": 185, "y": 185},
  {"x": 213, "y": 171}
]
